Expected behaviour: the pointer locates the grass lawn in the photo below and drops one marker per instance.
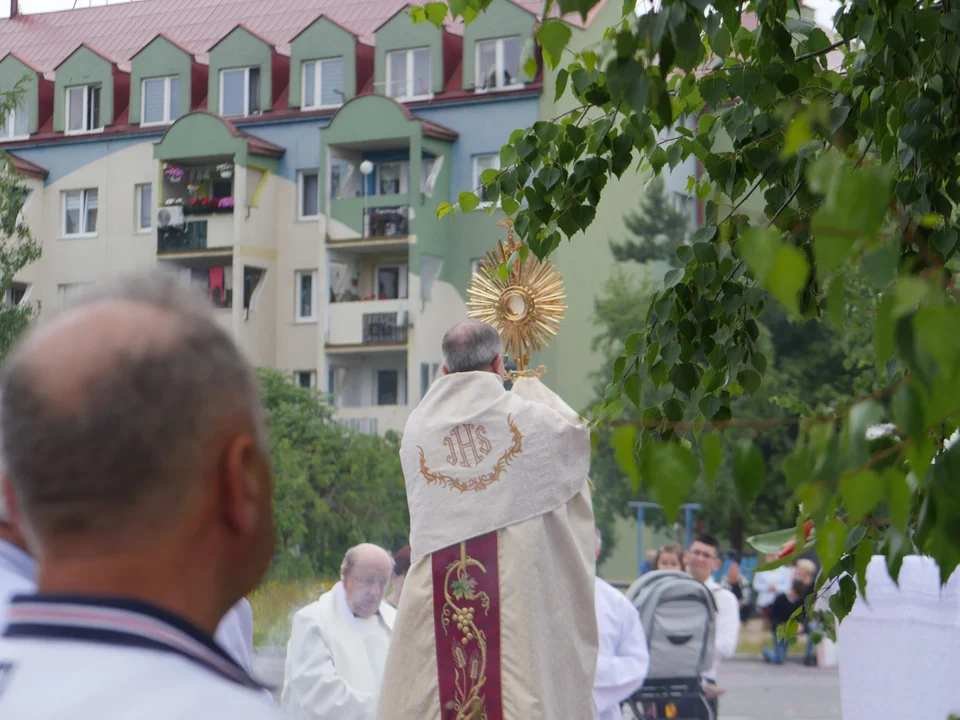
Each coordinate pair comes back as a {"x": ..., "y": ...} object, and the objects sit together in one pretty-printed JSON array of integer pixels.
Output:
[{"x": 274, "y": 604}]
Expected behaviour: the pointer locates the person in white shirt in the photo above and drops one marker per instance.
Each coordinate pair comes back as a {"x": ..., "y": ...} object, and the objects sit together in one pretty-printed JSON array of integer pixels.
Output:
[
  {"x": 136, "y": 446},
  {"x": 770, "y": 583},
  {"x": 623, "y": 659},
  {"x": 702, "y": 559},
  {"x": 338, "y": 644},
  {"x": 17, "y": 569}
]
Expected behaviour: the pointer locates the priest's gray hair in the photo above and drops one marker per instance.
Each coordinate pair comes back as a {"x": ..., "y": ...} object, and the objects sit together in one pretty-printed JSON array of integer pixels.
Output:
[
  {"x": 121, "y": 455},
  {"x": 470, "y": 345}
]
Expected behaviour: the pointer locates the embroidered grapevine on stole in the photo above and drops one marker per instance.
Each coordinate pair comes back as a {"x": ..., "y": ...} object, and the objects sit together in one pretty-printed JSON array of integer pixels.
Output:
[
  {"x": 469, "y": 642},
  {"x": 481, "y": 482}
]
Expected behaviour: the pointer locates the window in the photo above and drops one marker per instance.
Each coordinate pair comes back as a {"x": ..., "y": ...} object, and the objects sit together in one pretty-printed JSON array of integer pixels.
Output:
[
  {"x": 306, "y": 289},
  {"x": 322, "y": 83},
  {"x": 144, "y": 202},
  {"x": 392, "y": 282},
  {"x": 335, "y": 176},
  {"x": 309, "y": 194},
  {"x": 252, "y": 286},
  {"x": 160, "y": 100},
  {"x": 306, "y": 378},
  {"x": 15, "y": 123},
  {"x": 481, "y": 163},
  {"x": 80, "y": 213},
  {"x": 331, "y": 382},
  {"x": 70, "y": 293},
  {"x": 18, "y": 294},
  {"x": 240, "y": 92},
  {"x": 498, "y": 64},
  {"x": 392, "y": 178},
  {"x": 83, "y": 109},
  {"x": 388, "y": 387},
  {"x": 408, "y": 74}
]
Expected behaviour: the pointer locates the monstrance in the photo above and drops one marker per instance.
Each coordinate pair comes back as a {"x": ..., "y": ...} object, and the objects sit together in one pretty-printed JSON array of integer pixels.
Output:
[{"x": 526, "y": 308}]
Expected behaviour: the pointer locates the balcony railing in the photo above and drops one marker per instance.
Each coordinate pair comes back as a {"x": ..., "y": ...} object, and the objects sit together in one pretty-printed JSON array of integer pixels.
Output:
[
  {"x": 192, "y": 236},
  {"x": 380, "y": 328},
  {"x": 386, "y": 221},
  {"x": 364, "y": 426}
]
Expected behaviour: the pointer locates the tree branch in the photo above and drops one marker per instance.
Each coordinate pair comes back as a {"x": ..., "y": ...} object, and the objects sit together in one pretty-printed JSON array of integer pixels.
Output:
[{"x": 824, "y": 51}]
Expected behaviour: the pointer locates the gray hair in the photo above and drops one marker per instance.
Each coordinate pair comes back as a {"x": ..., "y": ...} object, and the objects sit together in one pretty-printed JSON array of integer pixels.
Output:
[
  {"x": 125, "y": 457},
  {"x": 470, "y": 345}
]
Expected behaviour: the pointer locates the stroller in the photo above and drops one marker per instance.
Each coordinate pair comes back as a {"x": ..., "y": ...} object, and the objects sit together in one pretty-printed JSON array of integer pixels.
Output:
[{"x": 678, "y": 615}]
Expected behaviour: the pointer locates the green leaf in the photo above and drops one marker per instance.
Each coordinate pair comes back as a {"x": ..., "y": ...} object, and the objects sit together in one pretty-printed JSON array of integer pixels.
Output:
[
  {"x": 622, "y": 441},
  {"x": 510, "y": 206},
  {"x": 685, "y": 378},
  {"x": 917, "y": 134},
  {"x": 489, "y": 176},
  {"x": 672, "y": 409},
  {"x": 721, "y": 43},
  {"x": 885, "y": 328},
  {"x": 743, "y": 81},
  {"x": 444, "y": 208},
  {"x": 468, "y": 201},
  {"x": 861, "y": 493},
  {"x": 788, "y": 277},
  {"x": 549, "y": 176},
  {"x": 880, "y": 265},
  {"x": 798, "y": 134},
  {"x": 759, "y": 249},
  {"x": 750, "y": 380},
  {"x": 836, "y": 302},
  {"x": 670, "y": 470},
  {"x": 771, "y": 543},
  {"x": 898, "y": 497},
  {"x": 508, "y": 156},
  {"x": 632, "y": 388},
  {"x": 862, "y": 556},
  {"x": 712, "y": 451},
  {"x": 553, "y": 37},
  {"x": 841, "y": 602},
  {"x": 908, "y": 410},
  {"x": 436, "y": 13},
  {"x": 713, "y": 90},
  {"x": 748, "y": 473},
  {"x": 561, "y": 86},
  {"x": 627, "y": 79},
  {"x": 830, "y": 541}
]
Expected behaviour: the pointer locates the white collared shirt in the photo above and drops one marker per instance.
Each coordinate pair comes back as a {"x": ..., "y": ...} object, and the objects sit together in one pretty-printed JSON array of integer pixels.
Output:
[
  {"x": 727, "y": 626},
  {"x": 623, "y": 658},
  {"x": 18, "y": 575}
]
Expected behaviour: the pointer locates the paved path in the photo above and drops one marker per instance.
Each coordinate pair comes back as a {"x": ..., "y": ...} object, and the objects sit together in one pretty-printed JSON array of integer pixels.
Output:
[{"x": 755, "y": 690}]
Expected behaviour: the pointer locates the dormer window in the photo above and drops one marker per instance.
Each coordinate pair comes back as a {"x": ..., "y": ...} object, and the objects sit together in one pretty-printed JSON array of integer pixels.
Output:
[
  {"x": 83, "y": 109},
  {"x": 15, "y": 124},
  {"x": 240, "y": 92},
  {"x": 161, "y": 100},
  {"x": 408, "y": 74},
  {"x": 498, "y": 64},
  {"x": 322, "y": 83}
]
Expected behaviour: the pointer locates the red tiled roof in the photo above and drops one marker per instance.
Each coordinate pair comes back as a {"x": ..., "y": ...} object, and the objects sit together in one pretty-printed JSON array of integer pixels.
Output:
[
  {"x": 120, "y": 30},
  {"x": 25, "y": 167}
]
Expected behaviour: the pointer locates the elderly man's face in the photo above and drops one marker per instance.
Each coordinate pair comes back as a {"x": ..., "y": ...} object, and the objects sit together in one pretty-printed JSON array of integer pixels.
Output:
[{"x": 365, "y": 584}]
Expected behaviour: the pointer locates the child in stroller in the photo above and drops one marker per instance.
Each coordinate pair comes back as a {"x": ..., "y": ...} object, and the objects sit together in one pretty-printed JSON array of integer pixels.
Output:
[{"x": 678, "y": 615}]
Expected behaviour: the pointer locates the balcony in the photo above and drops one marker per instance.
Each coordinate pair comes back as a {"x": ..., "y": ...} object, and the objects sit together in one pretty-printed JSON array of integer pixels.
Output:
[
  {"x": 373, "y": 419},
  {"x": 183, "y": 238},
  {"x": 368, "y": 323},
  {"x": 386, "y": 222}
]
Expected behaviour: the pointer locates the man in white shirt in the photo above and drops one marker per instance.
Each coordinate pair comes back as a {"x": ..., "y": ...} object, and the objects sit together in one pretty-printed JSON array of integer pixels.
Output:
[
  {"x": 623, "y": 659},
  {"x": 702, "y": 559},
  {"x": 770, "y": 583},
  {"x": 338, "y": 644},
  {"x": 137, "y": 453}
]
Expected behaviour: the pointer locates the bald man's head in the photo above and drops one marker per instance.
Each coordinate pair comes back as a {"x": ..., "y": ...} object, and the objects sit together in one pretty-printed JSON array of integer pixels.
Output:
[
  {"x": 110, "y": 411},
  {"x": 365, "y": 572},
  {"x": 471, "y": 345}
]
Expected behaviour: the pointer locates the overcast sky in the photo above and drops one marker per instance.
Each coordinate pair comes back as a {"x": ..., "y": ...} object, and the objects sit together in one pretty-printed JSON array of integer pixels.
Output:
[{"x": 825, "y": 8}]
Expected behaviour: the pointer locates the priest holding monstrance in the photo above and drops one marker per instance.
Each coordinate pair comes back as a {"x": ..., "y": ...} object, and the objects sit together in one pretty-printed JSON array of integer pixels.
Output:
[{"x": 496, "y": 620}]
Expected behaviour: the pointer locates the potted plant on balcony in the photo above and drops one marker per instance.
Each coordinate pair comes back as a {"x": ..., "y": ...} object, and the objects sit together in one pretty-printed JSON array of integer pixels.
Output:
[
  {"x": 200, "y": 206},
  {"x": 174, "y": 173},
  {"x": 225, "y": 170},
  {"x": 223, "y": 205}
]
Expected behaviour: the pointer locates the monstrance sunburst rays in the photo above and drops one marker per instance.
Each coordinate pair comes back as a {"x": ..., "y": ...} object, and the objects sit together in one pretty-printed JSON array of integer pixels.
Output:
[{"x": 526, "y": 308}]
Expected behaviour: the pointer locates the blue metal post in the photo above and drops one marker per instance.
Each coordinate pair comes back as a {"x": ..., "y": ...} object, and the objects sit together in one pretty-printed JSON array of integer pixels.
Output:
[{"x": 689, "y": 520}]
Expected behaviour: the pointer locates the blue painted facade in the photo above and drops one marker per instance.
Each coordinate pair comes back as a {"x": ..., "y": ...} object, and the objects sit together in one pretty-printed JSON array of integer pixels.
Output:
[{"x": 66, "y": 156}]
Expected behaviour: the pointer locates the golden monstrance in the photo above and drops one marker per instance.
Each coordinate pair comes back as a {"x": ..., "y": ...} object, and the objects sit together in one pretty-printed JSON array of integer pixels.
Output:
[{"x": 526, "y": 308}]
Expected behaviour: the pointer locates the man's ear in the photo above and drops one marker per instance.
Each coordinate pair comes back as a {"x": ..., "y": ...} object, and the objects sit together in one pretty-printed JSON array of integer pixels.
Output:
[
  {"x": 240, "y": 486},
  {"x": 445, "y": 370},
  {"x": 499, "y": 367}
]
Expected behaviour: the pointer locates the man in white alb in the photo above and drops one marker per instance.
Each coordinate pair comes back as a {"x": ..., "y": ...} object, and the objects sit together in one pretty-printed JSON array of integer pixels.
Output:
[
  {"x": 702, "y": 559},
  {"x": 136, "y": 447},
  {"x": 338, "y": 645},
  {"x": 623, "y": 659}
]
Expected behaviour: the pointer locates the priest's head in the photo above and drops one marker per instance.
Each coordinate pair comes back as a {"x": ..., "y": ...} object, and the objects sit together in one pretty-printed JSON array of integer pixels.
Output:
[
  {"x": 365, "y": 573},
  {"x": 136, "y": 446},
  {"x": 471, "y": 346}
]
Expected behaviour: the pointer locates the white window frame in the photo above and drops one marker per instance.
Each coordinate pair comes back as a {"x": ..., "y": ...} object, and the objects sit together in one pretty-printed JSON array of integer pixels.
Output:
[
  {"x": 62, "y": 290},
  {"x": 476, "y": 171},
  {"x": 24, "y": 301},
  {"x": 498, "y": 65},
  {"x": 403, "y": 280},
  {"x": 317, "y": 84},
  {"x": 10, "y": 127},
  {"x": 86, "y": 110},
  {"x": 403, "y": 175},
  {"x": 313, "y": 378},
  {"x": 409, "y": 96},
  {"x": 300, "y": 176},
  {"x": 84, "y": 196},
  {"x": 167, "y": 109},
  {"x": 314, "y": 316},
  {"x": 138, "y": 208},
  {"x": 246, "y": 89}
]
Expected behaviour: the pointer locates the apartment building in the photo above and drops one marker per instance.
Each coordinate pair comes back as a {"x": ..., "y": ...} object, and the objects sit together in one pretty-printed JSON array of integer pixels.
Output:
[{"x": 287, "y": 158}]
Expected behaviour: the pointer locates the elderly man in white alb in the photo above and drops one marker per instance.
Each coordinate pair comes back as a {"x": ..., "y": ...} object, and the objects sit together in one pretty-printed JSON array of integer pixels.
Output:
[
  {"x": 623, "y": 659},
  {"x": 701, "y": 560},
  {"x": 497, "y": 616},
  {"x": 338, "y": 645}
]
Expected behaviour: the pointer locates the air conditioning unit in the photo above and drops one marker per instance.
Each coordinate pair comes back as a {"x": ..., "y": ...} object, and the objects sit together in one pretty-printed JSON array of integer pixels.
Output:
[{"x": 170, "y": 216}]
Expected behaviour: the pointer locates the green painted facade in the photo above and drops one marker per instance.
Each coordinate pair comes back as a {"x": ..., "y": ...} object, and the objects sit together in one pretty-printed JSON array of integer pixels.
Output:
[
  {"x": 502, "y": 19},
  {"x": 12, "y": 71},
  {"x": 240, "y": 49},
  {"x": 202, "y": 135},
  {"x": 398, "y": 34},
  {"x": 83, "y": 67},
  {"x": 160, "y": 58},
  {"x": 322, "y": 40}
]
